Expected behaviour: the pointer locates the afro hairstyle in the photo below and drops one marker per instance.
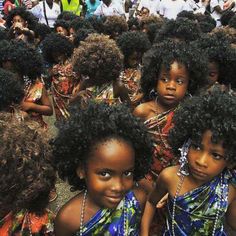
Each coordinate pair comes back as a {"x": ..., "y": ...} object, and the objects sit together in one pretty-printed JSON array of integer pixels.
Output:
[
  {"x": 62, "y": 23},
  {"x": 80, "y": 23},
  {"x": 181, "y": 29},
  {"x": 214, "y": 111},
  {"x": 41, "y": 31},
  {"x": 226, "y": 16},
  {"x": 96, "y": 124},
  {"x": 26, "y": 173},
  {"x": 11, "y": 90},
  {"x": 133, "y": 41},
  {"x": 133, "y": 22},
  {"x": 56, "y": 44},
  {"x": 164, "y": 54},
  {"x": 186, "y": 14},
  {"x": 81, "y": 35},
  {"x": 98, "y": 57},
  {"x": 67, "y": 16},
  {"x": 232, "y": 22},
  {"x": 26, "y": 60}
]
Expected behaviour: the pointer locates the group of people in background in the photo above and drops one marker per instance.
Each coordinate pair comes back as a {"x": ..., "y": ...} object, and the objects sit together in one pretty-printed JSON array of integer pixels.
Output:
[{"x": 143, "y": 94}]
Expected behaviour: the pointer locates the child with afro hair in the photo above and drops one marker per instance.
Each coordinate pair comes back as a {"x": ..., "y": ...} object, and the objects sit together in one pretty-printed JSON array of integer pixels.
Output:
[
  {"x": 171, "y": 71},
  {"x": 102, "y": 150},
  {"x": 133, "y": 45},
  {"x": 26, "y": 179},
  {"x": 99, "y": 61},
  {"x": 62, "y": 27},
  {"x": 57, "y": 50},
  {"x": 202, "y": 188},
  {"x": 26, "y": 62}
]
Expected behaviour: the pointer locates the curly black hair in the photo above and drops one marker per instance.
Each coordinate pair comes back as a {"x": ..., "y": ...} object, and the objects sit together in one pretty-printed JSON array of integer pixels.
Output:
[
  {"x": 56, "y": 44},
  {"x": 133, "y": 23},
  {"x": 181, "y": 29},
  {"x": 81, "y": 35},
  {"x": 206, "y": 22},
  {"x": 164, "y": 54},
  {"x": 11, "y": 90},
  {"x": 144, "y": 21},
  {"x": 130, "y": 42},
  {"x": 98, "y": 57},
  {"x": 67, "y": 16},
  {"x": 27, "y": 176},
  {"x": 41, "y": 31},
  {"x": 226, "y": 16},
  {"x": 232, "y": 22},
  {"x": 97, "y": 23},
  {"x": 96, "y": 124},
  {"x": 26, "y": 61},
  {"x": 218, "y": 50},
  {"x": 115, "y": 25},
  {"x": 63, "y": 23},
  {"x": 215, "y": 111},
  {"x": 80, "y": 23},
  {"x": 187, "y": 14},
  {"x": 26, "y": 15},
  {"x": 3, "y": 34}
]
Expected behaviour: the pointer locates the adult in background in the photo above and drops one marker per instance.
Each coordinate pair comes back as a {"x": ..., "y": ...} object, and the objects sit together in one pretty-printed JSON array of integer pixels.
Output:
[
  {"x": 47, "y": 12},
  {"x": 92, "y": 6},
  {"x": 109, "y": 8}
]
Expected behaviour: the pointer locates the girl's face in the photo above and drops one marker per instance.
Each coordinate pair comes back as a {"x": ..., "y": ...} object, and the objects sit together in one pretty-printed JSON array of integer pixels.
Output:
[
  {"x": 109, "y": 173},
  {"x": 134, "y": 59},
  {"x": 172, "y": 85},
  {"x": 62, "y": 31},
  {"x": 18, "y": 20},
  {"x": 213, "y": 72},
  {"x": 206, "y": 160}
]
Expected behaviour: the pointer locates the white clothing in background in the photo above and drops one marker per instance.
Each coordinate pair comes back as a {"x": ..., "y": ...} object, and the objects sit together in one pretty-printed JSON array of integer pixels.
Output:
[
  {"x": 152, "y": 5},
  {"x": 195, "y": 7},
  {"x": 111, "y": 10},
  {"x": 171, "y": 8},
  {"x": 214, "y": 14},
  {"x": 51, "y": 14}
]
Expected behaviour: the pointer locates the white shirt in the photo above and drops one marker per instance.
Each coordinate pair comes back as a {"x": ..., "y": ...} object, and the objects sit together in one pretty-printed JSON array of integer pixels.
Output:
[
  {"x": 111, "y": 10},
  {"x": 199, "y": 7},
  {"x": 152, "y": 5},
  {"x": 51, "y": 14},
  {"x": 171, "y": 8},
  {"x": 215, "y": 15}
]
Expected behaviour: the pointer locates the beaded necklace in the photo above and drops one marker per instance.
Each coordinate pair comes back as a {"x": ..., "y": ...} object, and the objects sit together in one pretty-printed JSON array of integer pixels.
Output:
[
  {"x": 220, "y": 199},
  {"x": 125, "y": 223}
]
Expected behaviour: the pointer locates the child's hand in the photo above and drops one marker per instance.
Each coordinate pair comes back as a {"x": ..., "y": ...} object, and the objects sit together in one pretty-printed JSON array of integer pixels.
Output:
[{"x": 162, "y": 202}]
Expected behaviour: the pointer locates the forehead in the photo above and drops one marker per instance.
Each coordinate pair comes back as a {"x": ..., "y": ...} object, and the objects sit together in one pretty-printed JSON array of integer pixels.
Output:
[
  {"x": 17, "y": 18},
  {"x": 176, "y": 67},
  {"x": 112, "y": 154}
]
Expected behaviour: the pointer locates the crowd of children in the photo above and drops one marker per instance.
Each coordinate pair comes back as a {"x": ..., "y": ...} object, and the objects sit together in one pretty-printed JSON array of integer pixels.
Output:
[{"x": 146, "y": 117}]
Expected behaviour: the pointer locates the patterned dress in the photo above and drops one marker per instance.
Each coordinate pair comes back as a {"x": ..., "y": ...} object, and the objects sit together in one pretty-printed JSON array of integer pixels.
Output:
[
  {"x": 33, "y": 93},
  {"x": 131, "y": 79},
  {"x": 122, "y": 221},
  {"x": 196, "y": 211},
  {"x": 159, "y": 127},
  {"x": 27, "y": 224},
  {"x": 64, "y": 81}
]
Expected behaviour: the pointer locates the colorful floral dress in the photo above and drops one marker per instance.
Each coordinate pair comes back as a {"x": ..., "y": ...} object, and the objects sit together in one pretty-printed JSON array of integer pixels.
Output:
[
  {"x": 131, "y": 79},
  {"x": 33, "y": 93},
  {"x": 196, "y": 211},
  {"x": 64, "y": 81},
  {"x": 122, "y": 221},
  {"x": 159, "y": 127},
  {"x": 27, "y": 224},
  {"x": 104, "y": 93}
]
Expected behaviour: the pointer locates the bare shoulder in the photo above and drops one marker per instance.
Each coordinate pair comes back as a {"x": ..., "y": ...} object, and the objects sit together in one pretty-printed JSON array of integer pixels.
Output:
[
  {"x": 68, "y": 218},
  {"x": 168, "y": 175},
  {"x": 141, "y": 196},
  {"x": 143, "y": 110}
]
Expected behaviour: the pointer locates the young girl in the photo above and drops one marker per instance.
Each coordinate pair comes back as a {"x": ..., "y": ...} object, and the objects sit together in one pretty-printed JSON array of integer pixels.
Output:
[
  {"x": 26, "y": 178},
  {"x": 57, "y": 50},
  {"x": 171, "y": 71},
  {"x": 133, "y": 45},
  {"x": 99, "y": 62},
  {"x": 27, "y": 64},
  {"x": 102, "y": 150},
  {"x": 202, "y": 189}
]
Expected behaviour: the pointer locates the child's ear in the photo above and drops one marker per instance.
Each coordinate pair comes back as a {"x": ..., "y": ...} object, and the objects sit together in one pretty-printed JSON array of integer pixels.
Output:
[{"x": 80, "y": 172}]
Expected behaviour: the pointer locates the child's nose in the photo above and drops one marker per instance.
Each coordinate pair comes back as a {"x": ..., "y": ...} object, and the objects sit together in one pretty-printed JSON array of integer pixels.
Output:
[
  {"x": 118, "y": 185},
  {"x": 202, "y": 159},
  {"x": 171, "y": 85}
]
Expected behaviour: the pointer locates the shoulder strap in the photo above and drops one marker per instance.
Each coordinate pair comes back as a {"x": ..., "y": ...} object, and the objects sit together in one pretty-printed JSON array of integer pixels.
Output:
[{"x": 44, "y": 11}]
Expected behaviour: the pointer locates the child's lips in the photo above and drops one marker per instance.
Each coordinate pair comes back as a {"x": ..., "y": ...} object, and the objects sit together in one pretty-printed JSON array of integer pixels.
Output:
[
  {"x": 169, "y": 96},
  {"x": 199, "y": 172},
  {"x": 114, "y": 199}
]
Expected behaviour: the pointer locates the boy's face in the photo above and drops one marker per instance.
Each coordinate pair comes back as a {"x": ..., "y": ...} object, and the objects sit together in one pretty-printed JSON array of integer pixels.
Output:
[
  {"x": 206, "y": 160},
  {"x": 172, "y": 85},
  {"x": 62, "y": 31},
  {"x": 109, "y": 173}
]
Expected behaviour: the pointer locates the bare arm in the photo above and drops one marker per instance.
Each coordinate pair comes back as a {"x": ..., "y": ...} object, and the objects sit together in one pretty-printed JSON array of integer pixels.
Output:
[
  {"x": 160, "y": 190},
  {"x": 231, "y": 212},
  {"x": 45, "y": 108}
]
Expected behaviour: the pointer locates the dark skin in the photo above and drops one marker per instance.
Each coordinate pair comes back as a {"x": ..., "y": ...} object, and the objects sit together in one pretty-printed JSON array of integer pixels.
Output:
[{"x": 107, "y": 2}]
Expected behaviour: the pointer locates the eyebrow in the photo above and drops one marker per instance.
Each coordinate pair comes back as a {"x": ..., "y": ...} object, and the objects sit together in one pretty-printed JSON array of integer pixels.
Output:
[{"x": 113, "y": 171}]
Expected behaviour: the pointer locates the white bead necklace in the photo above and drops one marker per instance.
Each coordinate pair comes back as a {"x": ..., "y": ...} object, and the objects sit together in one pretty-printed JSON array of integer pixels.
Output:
[
  {"x": 218, "y": 205},
  {"x": 82, "y": 213}
]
